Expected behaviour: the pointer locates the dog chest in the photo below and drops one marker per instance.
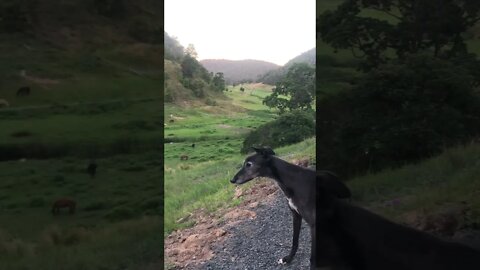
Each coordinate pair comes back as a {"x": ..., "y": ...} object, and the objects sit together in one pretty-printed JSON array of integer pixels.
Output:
[{"x": 292, "y": 205}]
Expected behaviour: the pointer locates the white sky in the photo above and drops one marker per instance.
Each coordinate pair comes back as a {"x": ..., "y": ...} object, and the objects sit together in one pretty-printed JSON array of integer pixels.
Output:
[{"x": 269, "y": 30}]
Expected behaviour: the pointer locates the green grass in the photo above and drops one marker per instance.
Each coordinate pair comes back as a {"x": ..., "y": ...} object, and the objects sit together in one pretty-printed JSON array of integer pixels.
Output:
[
  {"x": 222, "y": 121},
  {"x": 103, "y": 104},
  {"x": 28, "y": 189},
  {"x": 451, "y": 177}
]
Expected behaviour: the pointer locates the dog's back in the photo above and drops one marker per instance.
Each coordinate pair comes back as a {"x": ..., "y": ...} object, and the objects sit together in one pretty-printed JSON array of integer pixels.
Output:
[{"x": 368, "y": 241}]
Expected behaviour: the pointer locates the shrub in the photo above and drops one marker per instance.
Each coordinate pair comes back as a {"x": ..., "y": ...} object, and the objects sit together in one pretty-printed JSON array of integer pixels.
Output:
[
  {"x": 289, "y": 128},
  {"x": 210, "y": 102}
]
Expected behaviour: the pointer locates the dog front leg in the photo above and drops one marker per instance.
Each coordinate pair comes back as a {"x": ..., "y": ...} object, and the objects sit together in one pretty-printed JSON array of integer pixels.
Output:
[{"x": 297, "y": 222}]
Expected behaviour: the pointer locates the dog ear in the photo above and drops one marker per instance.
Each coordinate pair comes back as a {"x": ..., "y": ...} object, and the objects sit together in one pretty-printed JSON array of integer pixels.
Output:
[{"x": 265, "y": 151}]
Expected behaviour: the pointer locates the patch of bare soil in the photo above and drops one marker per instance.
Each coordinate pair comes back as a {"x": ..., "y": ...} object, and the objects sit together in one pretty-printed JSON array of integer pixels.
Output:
[
  {"x": 193, "y": 246},
  {"x": 259, "y": 85}
]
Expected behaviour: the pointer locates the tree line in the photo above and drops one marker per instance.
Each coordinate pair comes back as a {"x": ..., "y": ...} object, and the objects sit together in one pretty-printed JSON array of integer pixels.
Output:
[{"x": 418, "y": 88}]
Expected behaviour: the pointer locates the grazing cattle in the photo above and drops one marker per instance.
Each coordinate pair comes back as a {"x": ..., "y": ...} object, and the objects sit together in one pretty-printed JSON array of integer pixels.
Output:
[
  {"x": 193, "y": 145},
  {"x": 92, "y": 169},
  {"x": 23, "y": 91},
  {"x": 63, "y": 203},
  {"x": 183, "y": 157},
  {"x": 171, "y": 121},
  {"x": 350, "y": 237},
  {"x": 4, "y": 103}
]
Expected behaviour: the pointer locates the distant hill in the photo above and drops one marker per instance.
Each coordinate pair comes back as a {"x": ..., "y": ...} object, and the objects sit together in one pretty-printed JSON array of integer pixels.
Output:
[
  {"x": 239, "y": 70},
  {"x": 273, "y": 76},
  {"x": 306, "y": 57}
]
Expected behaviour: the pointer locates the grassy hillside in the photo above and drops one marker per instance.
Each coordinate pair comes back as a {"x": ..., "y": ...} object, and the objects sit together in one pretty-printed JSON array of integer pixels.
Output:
[
  {"x": 95, "y": 93},
  {"x": 273, "y": 76},
  {"x": 426, "y": 190},
  {"x": 93, "y": 67}
]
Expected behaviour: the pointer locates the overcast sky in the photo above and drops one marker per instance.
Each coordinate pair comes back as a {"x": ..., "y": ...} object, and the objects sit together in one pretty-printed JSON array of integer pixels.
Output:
[{"x": 268, "y": 30}]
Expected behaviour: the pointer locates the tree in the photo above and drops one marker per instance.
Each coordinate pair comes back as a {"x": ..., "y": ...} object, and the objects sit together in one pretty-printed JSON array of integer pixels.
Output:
[
  {"x": 218, "y": 82},
  {"x": 173, "y": 49},
  {"x": 189, "y": 65},
  {"x": 295, "y": 91},
  {"x": 413, "y": 26},
  {"x": 190, "y": 50},
  {"x": 417, "y": 93},
  {"x": 399, "y": 112}
]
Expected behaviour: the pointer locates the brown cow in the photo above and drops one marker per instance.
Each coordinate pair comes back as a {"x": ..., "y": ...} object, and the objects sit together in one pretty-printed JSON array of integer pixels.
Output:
[
  {"x": 183, "y": 157},
  {"x": 63, "y": 203}
]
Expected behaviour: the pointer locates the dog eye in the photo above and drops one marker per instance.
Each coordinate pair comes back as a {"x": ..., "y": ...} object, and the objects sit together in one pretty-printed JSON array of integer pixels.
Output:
[{"x": 248, "y": 164}]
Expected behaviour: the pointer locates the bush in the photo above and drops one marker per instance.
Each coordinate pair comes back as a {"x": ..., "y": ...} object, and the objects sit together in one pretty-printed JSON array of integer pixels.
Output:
[
  {"x": 289, "y": 128},
  {"x": 210, "y": 102},
  {"x": 196, "y": 85}
]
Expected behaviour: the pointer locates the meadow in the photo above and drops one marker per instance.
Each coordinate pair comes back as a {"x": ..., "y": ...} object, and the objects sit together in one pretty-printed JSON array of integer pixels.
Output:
[{"x": 102, "y": 105}]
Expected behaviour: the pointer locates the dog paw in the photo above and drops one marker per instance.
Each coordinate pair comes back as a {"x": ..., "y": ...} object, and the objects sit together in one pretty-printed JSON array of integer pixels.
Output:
[{"x": 281, "y": 261}]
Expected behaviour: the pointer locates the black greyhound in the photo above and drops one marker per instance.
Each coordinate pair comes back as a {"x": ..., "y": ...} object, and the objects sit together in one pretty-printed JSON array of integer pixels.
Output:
[
  {"x": 298, "y": 185},
  {"x": 350, "y": 237}
]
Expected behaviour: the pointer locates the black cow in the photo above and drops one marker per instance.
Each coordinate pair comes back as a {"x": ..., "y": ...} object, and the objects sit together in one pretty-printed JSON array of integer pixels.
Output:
[
  {"x": 23, "y": 91},
  {"x": 92, "y": 169}
]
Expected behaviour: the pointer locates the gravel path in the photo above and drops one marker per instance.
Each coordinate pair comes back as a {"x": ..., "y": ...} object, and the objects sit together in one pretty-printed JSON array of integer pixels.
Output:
[{"x": 259, "y": 243}]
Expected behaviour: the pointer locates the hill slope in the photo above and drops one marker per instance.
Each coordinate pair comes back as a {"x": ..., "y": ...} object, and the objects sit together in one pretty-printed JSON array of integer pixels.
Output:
[
  {"x": 186, "y": 78},
  {"x": 80, "y": 50},
  {"x": 273, "y": 76},
  {"x": 238, "y": 70}
]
